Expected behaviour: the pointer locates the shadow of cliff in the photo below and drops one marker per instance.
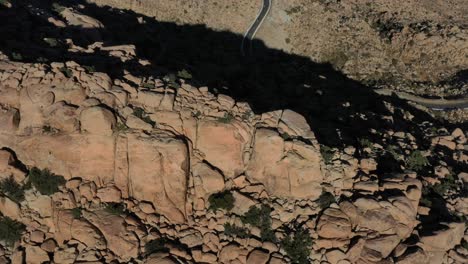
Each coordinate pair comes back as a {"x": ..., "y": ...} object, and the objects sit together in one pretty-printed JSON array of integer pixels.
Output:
[{"x": 339, "y": 110}]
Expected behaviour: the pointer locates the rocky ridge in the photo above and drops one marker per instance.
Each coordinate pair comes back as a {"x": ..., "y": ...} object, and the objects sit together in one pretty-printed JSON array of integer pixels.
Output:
[{"x": 138, "y": 169}]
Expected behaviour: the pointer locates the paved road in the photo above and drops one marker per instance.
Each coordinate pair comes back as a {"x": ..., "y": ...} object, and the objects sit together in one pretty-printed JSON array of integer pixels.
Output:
[
  {"x": 250, "y": 34},
  {"x": 434, "y": 104}
]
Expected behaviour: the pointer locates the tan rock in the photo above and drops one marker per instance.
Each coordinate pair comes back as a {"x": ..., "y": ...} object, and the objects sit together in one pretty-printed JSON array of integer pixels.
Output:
[
  {"x": 287, "y": 169},
  {"x": 242, "y": 203},
  {"x": 295, "y": 124},
  {"x": 335, "y": 255},
  {"x": 258, "y": 257},
  {"x": 229, "y": 253},
  {"x": 87, "y": 234},
  {"x": 121, "y": 242},
  {"x": 368, "y": 165},
  {"x": 109, "y": 194},
  {"x": 9, "y": 120},
  {"x": 333, "y": 223},
  {"x": 443, "y": 240},
  {"x": 9, "y": 208},
  {"x": 191, "y": 239},
  {"x": 7, "y": 167},
  {"x": 136, "y": 123},
  {"x": 206, "y": 180},
  {"x": 49, "y": 245},
  {"x": 65, "y": 256},
  {"x": 37, "y": 236},
  {"x": 41, "y": 204},
  {"x": 380, "y": 247},
  {"x": 416, "y": 257},
  {"x": 35, "y": 255},
  {"x": 202, "y": 257},
  {"x": 76, "y": 19},
  {"x": 159, "y": 258},
  {"x": 97, "y": 120},
  {"x": 223, "y": 145}
]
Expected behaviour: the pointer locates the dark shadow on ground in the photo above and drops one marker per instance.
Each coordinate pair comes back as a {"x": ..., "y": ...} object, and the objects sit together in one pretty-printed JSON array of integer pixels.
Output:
[{"x": 339, "y": 110}]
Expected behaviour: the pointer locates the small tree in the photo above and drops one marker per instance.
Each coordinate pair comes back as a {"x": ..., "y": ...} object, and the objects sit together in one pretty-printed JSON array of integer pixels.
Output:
[
  {"x": 260, "y": 217},
  {"x": 298, "y": 246},
  {"x": 416, "y": 161},
  {"x": 10, "y": 188},
  {"x": 235, "y": 231},
  {"x": 45, "y": 181},
  {"x": 222, "y": 200},
  {"x": 326, "y": 199},
  {"x": 115, "y": 208},
  {"x": 10, "y": 230}
]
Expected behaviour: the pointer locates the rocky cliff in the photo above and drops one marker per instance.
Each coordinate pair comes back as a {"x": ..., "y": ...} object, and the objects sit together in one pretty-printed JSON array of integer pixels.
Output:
[{"x": 103, "y": 166}]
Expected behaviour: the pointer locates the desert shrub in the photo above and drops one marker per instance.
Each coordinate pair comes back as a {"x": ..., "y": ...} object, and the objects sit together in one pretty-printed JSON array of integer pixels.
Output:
[
  {"x": 366, "y": 143},
  {"x": 156, "y": 245},
  {"x": 260, "y": 217},
  {"x": 140, "y": 113},
  {"x": 446, "y": 184},
  {"x": 298, "y": 246},
  {"x": 46, "y": 182},
  {"x": 67, "y": 72},
  {"x": 326, "y": 199},
  {"x": 10, "y": 188},
  {"x": 416, "y": 161},
  {"x": 235, "y": 231},
  {"x": 327, "y": 153},
  {"x": 10, "y": 230},
  {"x": 222, "y": 200},
  {"x": 226, "y": 119},
  {"x": 76, "y": 212},
  {"x": 115, "y": 208},
  {"x": 121, "y": 127}
]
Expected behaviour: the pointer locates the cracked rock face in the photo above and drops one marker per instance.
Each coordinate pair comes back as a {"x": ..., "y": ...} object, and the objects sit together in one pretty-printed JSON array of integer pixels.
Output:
[{"x": 158, "y": 172}]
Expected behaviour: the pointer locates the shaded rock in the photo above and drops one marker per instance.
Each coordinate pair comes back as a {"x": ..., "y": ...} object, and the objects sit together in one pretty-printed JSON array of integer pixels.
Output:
[{"x": 444, "y": 240}]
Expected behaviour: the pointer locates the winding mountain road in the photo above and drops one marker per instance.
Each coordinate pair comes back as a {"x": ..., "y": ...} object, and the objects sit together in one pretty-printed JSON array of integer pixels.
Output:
[
  {"x": 250, "y": 34},
  {"x": 434, "y": 104}
]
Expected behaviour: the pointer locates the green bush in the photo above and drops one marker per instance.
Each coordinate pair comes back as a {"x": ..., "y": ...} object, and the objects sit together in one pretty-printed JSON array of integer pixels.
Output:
[
  {"x": 10, "y": 188},
  {"x": 67, "y": 72},
  {"x": 222, "y": 200},
  {"x": 10, "y": 230},
  {"x": 327, "y": 153},
  {"x": 76, "y": 212},
  {"x": 326, "y": 199},
  {"x": 115, "y": 208},
  {"x": 298, "y": 246},
  {"x": 446, "y": 184},
  {"x": 260, "y": 217},
  {"x": 416, "y": 161},
  {"x": 366, "y": 143},
  {"x": 89, "y": 69},
  {"x": 45, "y": 181},
  {"x": 155, "y": 246},
  {"x": 235, "y": 231},
  {"x": 140, "y": 113},
  {"x": 226, "y": 119}
]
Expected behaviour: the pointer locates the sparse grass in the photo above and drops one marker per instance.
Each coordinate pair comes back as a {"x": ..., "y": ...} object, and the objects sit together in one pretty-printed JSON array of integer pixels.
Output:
[
  {"x": 10, "y": 230},
  {"x": 226, "y": 119},
  {"x": 76, "y": 212},
  {"x": 222, "y": 200},
  {"x": 416, "y": 161},
  {"x": 16, "y": 56},
  {"x": 235, "y": 231},
  {"x": 184, "y": 74},
  {"x": 366, "y": 143},
  {"x": 10, "y": 188},
  {"x": 326, "y": 199},
  {"x": 155, "y": 246},
  {"x": 53, "y": 42},
  {"x": 260, "y": 217},
  {"x": 46, "y": 182},
  {"x": 115, "y": 208},
  {"x": 121, "y": 127},
  {"x": 58, "y": 7},
  {"x": 140, "y": 113},
  {"x": 147, "y": 85},
  {"x": 327, "y": 153},
  {"x": 298, "y": 246},
  {"x": 89, "y": 69}
]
